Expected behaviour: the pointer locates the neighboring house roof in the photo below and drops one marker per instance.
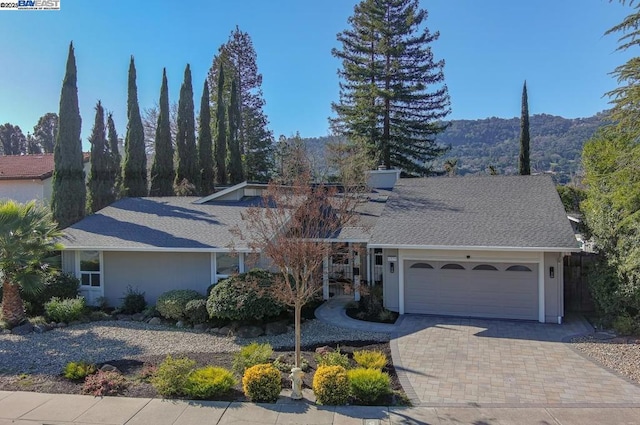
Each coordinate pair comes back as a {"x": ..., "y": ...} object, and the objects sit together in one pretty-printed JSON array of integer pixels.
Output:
[
  {"x": 171, "y": 224},
  {"x": 28, "y": 167},
  {"x": 483, "y": 212}
]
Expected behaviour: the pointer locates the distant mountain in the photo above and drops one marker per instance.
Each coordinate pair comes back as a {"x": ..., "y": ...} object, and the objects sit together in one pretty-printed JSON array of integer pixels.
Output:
[{"x": 556, "y": 144}]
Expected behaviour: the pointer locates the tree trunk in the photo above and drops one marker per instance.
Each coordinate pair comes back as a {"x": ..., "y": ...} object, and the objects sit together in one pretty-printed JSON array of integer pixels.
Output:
[
  {"x": 12, "y": 306},
  {"x": 298, "y": 315}
]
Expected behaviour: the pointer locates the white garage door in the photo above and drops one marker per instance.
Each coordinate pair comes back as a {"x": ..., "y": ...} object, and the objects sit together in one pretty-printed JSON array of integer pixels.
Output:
[{"x": 495, "y": 290}]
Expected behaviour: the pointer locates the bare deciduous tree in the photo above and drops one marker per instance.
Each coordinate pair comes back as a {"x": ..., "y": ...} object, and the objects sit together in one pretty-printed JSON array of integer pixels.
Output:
[{"x": 296, "y": 227}]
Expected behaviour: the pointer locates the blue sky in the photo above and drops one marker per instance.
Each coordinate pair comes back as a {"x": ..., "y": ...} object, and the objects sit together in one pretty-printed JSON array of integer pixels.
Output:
[{"x": 490, "y": 47}]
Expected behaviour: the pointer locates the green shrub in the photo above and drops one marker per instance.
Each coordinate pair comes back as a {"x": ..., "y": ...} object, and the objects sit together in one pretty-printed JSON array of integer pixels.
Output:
[
  {"x": 251, "y": 355},
  {"x": 244, "y": 297},
  {"x": 625, "y": 325},
  {"x": 59, "y": 310},
  {"x": 209, "y": 382},
  {"x": 331, "y": 385},
  {"x": 171, "y": 305},
  {"x": 55, "y": 284},
  {"x": 133, "y": 301},
  {"x": 262, "y": 383},
  {"x": 195, "y": 311},
  {"x": 172, "y": 375},
  {"x": 368, "y": 385},
  {"x": 370, "y": 359},
  {"x": 104, "y": 383},
  {"x": 282, "y": 365},
  {"x": 78, "y": 370},
  {"x": 333, "y": 358}
]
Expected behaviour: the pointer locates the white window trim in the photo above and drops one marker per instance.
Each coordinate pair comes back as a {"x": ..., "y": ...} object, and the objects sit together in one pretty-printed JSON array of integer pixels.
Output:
[
  {"x": 215, "y": 277},
  {"x": 101, "y": 272}
]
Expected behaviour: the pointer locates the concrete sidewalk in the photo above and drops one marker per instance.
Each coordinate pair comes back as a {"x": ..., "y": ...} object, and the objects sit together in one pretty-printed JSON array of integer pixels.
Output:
[{"x": 28, "y": 408}]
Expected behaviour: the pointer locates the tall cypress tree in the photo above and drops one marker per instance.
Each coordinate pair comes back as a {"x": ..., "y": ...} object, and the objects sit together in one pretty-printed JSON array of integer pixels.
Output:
[
  {"x": 392, "y": 94},
  {"x": 236, "y": 172},
  {"x": 524, "y": 162},
  {"x": 68, "y": 198},
  {"x": 115, "y": 172},
  {"x": 221, "y": 136},
  {"x": 162, "y": 173},
  {"x": 205, "y": 144},
  {"x": 134, "y": 172},
  {"x": 99, "y": 185},
  {"x": 186, "y": 138}
]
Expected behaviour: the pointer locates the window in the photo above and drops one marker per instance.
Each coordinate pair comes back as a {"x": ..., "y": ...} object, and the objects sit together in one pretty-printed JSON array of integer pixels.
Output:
[
  {"x": 484, "y": 267},
  {"x": 518, "y": 269},
  {"x": 452, "y": 266},
  {"x": 421, "y": 266},
  {"x": 227, "y": 264},
  {"x": 90, "y": 268}
]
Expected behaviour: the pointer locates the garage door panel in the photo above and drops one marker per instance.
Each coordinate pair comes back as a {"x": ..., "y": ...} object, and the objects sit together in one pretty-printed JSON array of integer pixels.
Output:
[{"x": 476, "y": 293}]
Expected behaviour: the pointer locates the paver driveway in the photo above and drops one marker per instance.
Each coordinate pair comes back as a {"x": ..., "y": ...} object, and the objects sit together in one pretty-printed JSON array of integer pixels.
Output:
[{"x": 461, "y": 361}]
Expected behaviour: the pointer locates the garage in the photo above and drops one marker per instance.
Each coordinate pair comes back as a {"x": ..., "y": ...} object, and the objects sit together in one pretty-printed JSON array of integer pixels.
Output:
[{"x": 454, "y": 288}]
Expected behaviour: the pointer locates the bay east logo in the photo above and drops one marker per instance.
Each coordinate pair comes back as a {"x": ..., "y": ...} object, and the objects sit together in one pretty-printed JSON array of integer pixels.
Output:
[{"x": 30, "y": 5}]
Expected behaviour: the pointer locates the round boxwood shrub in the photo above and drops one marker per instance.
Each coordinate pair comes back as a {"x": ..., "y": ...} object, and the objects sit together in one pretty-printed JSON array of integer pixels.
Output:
[
  {"x": 244, "y": 297},
  {"x": 368, "y": 385},
  {"x": 262, "y": 383},
  {"x": 208, "y": 382},
  {"x": 172, "y": 304},
  {"x": 331, "y": 385},
  {"x": 195, "y": 311}
]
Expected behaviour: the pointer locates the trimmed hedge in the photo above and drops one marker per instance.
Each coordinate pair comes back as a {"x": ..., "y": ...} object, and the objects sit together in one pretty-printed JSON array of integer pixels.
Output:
[
  {"x": 244, "y": 297},
  {"x": 172, "y": 304}
]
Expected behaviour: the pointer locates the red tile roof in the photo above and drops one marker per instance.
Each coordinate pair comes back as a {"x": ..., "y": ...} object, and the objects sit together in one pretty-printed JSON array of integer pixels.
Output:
[{"x": 28, "y": 167}]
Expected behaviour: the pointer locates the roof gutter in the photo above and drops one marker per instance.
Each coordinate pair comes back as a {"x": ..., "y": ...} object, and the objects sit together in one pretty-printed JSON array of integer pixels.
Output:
[{"x": 477, "y": 248}]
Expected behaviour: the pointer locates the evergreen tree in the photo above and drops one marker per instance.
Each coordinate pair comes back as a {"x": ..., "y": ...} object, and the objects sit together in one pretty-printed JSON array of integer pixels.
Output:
[
  {"x": 392, "y": 93},
  {"x": 115, "y": 172},
  {"x": 12, "y": 140},
  {"x": 162, "y": 173},
  {"x": 134, "y": 173},
  {"x": 524, "y": 162},
  {"x": 68, "y": 197},
  {"x": 236, "y": 174},
  {"x": 221, "y": 136},
  {"x": 45, "y": 131},
  {"x": 100, "y": 187},
  {"x": 187, "y": 172},
  {"x": 205, "y": 144},
  {"x": 238, "y": 58}
]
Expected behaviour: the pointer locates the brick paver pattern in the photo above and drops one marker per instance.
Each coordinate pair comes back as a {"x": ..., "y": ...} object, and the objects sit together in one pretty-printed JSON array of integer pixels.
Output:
[{"x": 452, "y": 360}]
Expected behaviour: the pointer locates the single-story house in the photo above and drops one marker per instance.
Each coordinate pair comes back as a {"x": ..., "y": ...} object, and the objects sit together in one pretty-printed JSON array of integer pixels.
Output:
[
  {"x": 489, "y": 246},
  {"x": 24, "y": 178}
]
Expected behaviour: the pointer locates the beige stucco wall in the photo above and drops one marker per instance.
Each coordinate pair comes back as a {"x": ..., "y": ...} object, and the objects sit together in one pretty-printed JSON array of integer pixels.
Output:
[{"x": 23, "y": 190}]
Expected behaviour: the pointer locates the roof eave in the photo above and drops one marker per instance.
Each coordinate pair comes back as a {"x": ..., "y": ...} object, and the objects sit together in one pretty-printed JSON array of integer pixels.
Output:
[{"x": 476, "y": 248}]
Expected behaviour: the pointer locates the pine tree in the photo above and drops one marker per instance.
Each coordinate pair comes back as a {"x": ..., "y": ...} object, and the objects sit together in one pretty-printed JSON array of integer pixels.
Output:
[
  {"x": 115, "y": 172},
  {"x": 68, "y": 198},
  {"x": 221, "y": 136},
  {"x": 392, "y": 91},
  {"x": 162, "y": 173},
  {"x": 236, "y": 174},
  {"x": 205, "y": 144},
  {"x": 524, "y": 162},
  {"x": 239, "y": 60},
  {"x": 45, "y": 131},
  {"x": 98, "y": 188},
  {"x": 134, "y": 173},
  {"x": 187, "y": 171}
]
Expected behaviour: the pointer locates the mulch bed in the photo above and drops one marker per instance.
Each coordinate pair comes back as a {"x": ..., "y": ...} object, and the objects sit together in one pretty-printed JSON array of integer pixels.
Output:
[{"x": 131, "y": 368}]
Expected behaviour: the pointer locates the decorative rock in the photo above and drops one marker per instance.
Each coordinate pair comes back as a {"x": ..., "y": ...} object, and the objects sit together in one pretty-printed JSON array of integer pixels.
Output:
[
  {"x": 124, "y": 317},
  {"x": 324, "y": 350},
  {"x": 155, "y": 321},
  {"x": 138, "y": 317},
  {"x": 249, "y": 331},
  {"x": 109, "y": 368},
  {"x": 276, "y": 328},
  {"x": 41, "y": 328},
  {"x": 22, "y": 329},
  {"x": 61, "y": 325},
  {"x": 5, "y": 332},
  {"x": 225, "y": 331},
  {"x": 200, "y": 327},
  {"x": 180, "y": 324},
  {"x": 75, "y": 323}
]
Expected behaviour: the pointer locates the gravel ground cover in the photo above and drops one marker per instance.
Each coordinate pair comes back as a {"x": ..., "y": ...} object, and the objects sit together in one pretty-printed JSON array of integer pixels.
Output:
[
  {"x": 98, "y": 342},
  {"x": 618, "y": 354}
]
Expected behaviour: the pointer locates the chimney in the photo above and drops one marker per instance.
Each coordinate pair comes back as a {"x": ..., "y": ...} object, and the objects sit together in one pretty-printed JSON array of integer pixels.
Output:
[{"x": 382, "y": 178}]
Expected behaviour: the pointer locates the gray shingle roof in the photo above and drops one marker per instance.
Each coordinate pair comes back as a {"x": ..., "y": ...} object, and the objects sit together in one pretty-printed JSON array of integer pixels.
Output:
[
  {"x": 484, "y": 211},
  {"x": 172, "y": 222}
]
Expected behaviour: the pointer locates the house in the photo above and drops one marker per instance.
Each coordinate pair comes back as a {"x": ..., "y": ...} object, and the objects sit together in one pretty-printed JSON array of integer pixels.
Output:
[
  {"x": 27, "y": 177},
  {"x": 465, "y": 246}
]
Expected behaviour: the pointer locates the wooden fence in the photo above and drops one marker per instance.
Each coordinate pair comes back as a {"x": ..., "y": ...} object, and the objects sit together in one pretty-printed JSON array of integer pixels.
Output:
[{"x": 577, "y": 297}]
